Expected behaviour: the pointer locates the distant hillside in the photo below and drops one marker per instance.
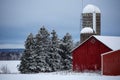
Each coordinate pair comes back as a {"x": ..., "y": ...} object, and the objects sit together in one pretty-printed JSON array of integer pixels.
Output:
[
  {"x": 12, "y": 50},
  {"x": 11, "y": 54}
]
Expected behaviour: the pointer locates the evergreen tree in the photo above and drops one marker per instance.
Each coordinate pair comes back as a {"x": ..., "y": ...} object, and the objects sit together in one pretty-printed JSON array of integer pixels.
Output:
[
  {"x": 42, "y": 45},
  {"x": 45, "y": 54},
  {"x": 28, "y": 63},
  {"x": 66, "y": 46},
  {"x": 54, "y": 59}
]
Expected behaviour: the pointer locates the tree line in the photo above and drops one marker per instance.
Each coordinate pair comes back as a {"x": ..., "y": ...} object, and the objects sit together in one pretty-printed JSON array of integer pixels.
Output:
[{"x": 45, "y": 52}]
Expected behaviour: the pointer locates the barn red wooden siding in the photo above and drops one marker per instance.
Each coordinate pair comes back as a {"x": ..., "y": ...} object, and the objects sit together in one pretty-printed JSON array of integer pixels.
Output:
[
  {"x": 88, "y": 55},
  {"x": 111, "y": 63}
]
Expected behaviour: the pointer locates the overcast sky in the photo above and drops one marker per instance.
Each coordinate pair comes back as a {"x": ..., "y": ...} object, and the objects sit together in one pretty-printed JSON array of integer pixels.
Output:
[{"x": 18, "y": 18}]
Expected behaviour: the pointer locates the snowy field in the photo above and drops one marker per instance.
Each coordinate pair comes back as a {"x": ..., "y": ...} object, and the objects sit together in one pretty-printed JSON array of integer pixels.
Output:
[
  {"x": 12, "y": 67},
  {"x": 50, "y": 76}
]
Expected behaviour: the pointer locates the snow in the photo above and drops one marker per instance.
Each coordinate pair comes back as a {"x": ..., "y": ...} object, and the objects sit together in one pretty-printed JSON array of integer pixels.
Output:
[
  {"x": 94, "y": 22},
  {"x": 11, "y": 66},
  {"x": 91, "y": 9},
  {"x": 61, "y": 75},
  {"x": 87, "y": 30},
  {"x": 51, "y": 76},
  {"x": 110, "y": 41}
]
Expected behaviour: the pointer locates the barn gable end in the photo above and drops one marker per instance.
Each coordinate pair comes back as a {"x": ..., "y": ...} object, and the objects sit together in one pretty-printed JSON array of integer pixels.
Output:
[{"x": 87, "y": 56}]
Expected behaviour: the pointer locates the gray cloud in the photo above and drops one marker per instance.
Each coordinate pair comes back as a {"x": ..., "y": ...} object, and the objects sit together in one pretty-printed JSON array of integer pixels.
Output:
[{"x": 20, "y": 17}]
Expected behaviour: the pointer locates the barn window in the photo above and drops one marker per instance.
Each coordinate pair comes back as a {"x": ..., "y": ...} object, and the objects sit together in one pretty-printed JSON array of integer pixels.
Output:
[{"x": 92, "y": 41}]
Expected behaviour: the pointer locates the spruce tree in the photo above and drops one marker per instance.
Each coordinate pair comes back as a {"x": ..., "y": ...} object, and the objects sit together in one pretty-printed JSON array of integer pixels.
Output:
[
  {"x": 66, "y": 46},
  {"x": 28, "y": 63},
  {"x": 42, "y": 45},
  {"x": 54, "y": 59}
]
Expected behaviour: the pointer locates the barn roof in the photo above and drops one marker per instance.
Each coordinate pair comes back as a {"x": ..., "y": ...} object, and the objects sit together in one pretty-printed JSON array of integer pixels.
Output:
[
  {"x": 110, "y": 41},
  {"x": 113, "y": 42},
  {"x": 109, "y": 52}
]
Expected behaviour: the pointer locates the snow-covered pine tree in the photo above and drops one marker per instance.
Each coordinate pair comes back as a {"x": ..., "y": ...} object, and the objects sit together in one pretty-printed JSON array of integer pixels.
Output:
[
  {"x": 42, "y": 48},
  {"x": 54, "y": 58},
  {"x": 66, "y": 46},
  {"x": 28, "y": 63}
]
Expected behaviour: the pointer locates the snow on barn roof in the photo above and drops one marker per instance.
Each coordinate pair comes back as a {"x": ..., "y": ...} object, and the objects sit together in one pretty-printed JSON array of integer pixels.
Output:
[
  {"x": 110, "y": 41},
  {"x": 110, "y": 52},
  {"x": 87, "y": 30},
  {"x": 91, "y": 9}
]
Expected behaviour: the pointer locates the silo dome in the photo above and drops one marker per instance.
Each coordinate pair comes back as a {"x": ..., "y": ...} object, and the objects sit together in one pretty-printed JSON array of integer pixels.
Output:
[
  {"x": 91, "y": 9},
  {"x": 88, "y": 30}
]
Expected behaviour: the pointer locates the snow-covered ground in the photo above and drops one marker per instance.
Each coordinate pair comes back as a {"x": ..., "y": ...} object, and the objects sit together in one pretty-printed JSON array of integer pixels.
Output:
[
  {"x": 62, "y": 75},
  {"x": 11, "y": 65},
  {"x": 51, "y": 76}
]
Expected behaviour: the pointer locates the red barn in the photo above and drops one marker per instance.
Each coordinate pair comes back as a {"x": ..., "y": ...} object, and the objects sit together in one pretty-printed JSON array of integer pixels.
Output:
[
  {"x": 87, "y": 56},
  {"x": 111, "y": 63}
]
